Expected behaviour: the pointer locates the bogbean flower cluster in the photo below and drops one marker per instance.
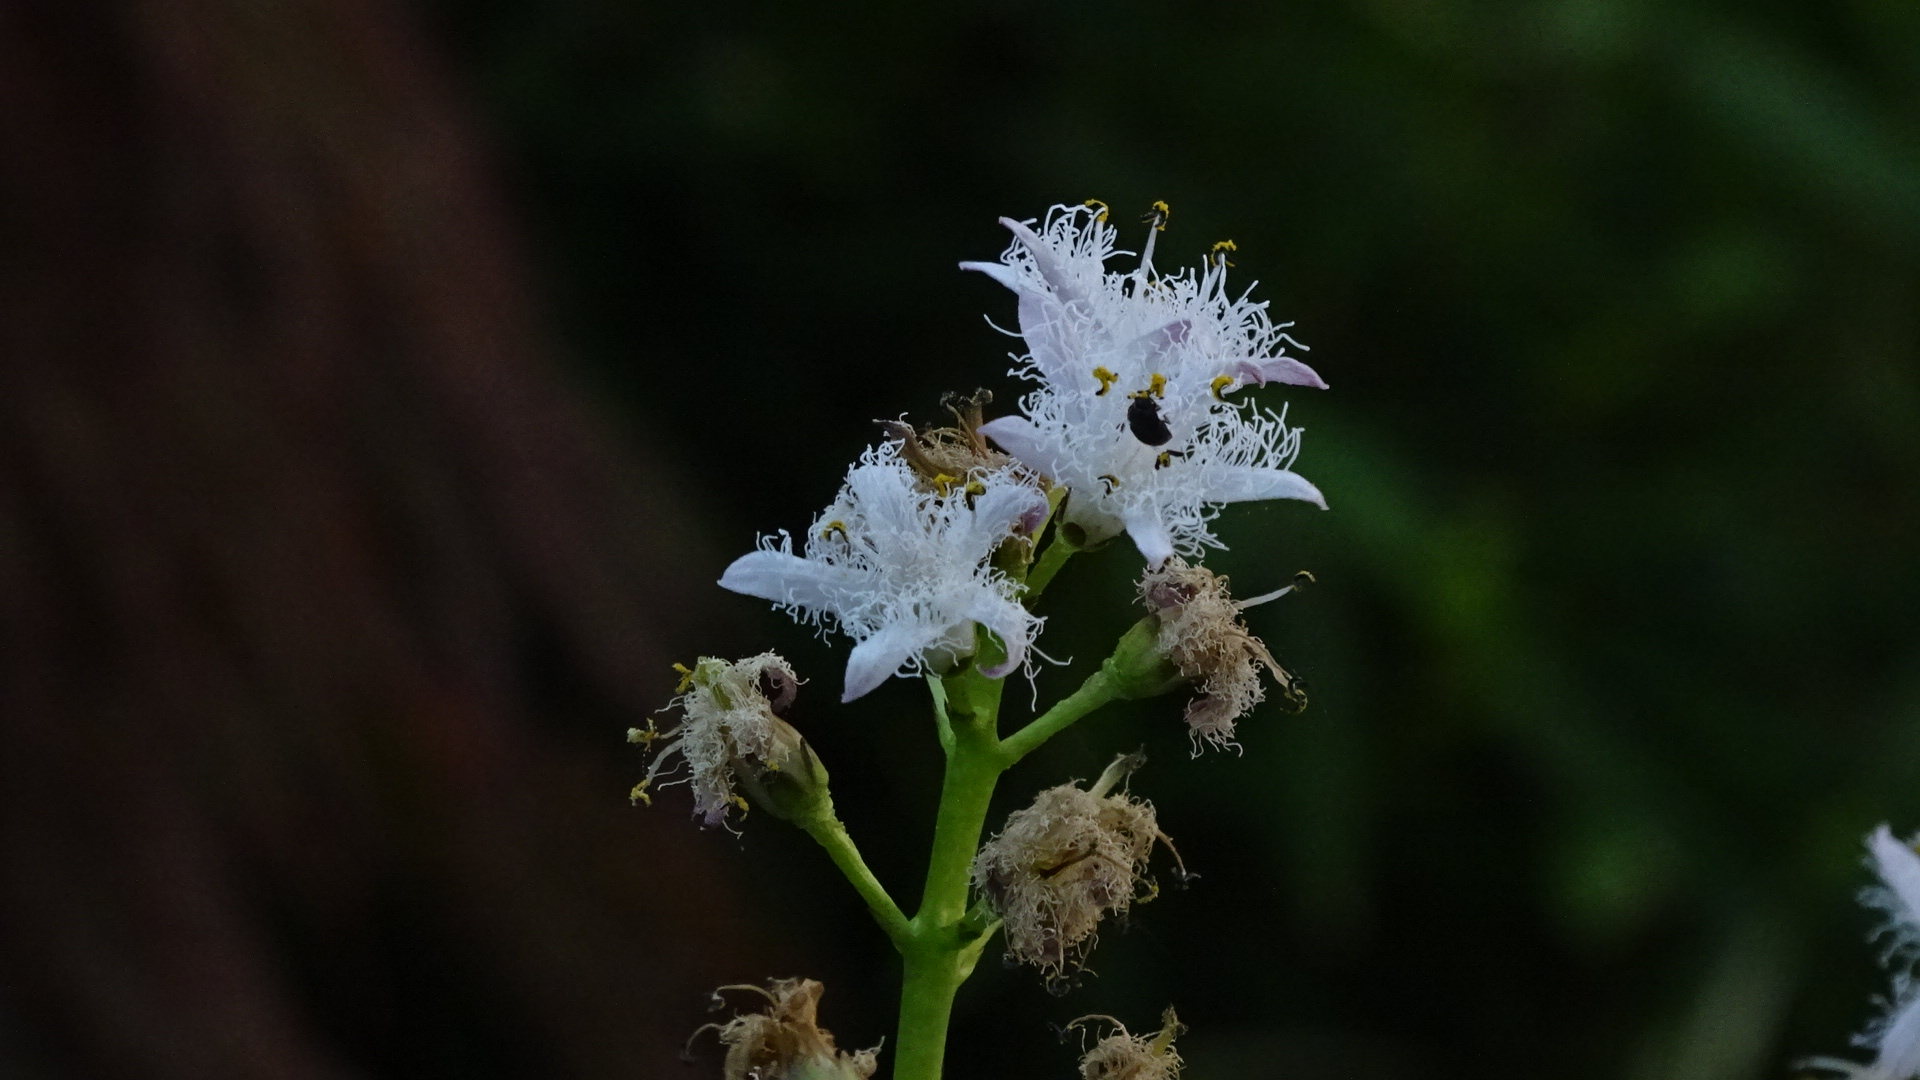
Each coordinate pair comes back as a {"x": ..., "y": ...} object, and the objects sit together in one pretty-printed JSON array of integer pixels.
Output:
[
  {"x": 1132, "y": 412},
  {"x": 932, "y": 557}
]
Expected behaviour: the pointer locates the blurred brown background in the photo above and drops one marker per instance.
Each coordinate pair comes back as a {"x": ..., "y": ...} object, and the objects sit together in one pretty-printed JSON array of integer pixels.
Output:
[
  {"x": 381, "y": 386},
  {"x": 310, "y": 563}
]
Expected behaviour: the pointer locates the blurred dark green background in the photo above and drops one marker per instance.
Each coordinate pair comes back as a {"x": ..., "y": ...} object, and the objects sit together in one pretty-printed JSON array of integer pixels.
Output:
[{"x": 1614, "y": 654}]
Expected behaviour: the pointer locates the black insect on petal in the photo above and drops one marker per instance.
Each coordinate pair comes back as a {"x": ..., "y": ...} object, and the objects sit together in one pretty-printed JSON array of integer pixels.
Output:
[{"x": 1144, "y": 420}]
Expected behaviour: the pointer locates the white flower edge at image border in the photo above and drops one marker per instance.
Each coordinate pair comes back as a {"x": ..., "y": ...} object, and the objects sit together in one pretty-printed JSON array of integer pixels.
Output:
[{"x": 1895, "y": 1036}]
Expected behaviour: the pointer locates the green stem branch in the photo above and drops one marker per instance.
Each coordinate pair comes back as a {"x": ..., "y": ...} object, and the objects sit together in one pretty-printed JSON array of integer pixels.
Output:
[
  {"x": 1099, "y": 689},
  {"x": 1048, "y": 564},
  {"x": 832, "y": 835}
]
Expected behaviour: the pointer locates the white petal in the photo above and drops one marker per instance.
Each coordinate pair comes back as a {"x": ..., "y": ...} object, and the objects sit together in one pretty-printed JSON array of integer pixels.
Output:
[
  {"x": 1003, "y": 505},
  {"x": 1043, "y": 326},
  {"x": 999, "y": 272},
  {"x": 1094, "y": 518},
  {"x": 879, "y": 657},
  {"x": 887, "y": 498},
  {"x": 1044, "y": 260},
  {"x": 788, "y": 579},
  {"x": 1018, "y": 436},
  {"x": 1246, "y": 483},
  {"x": 1899, "y": 1056},
  {"x": 1156, "y": 344},
  {"x": 1899, "y": 867},
  {"x": 1013, "y": 623},
  {"x": 1277, "y": 369},
  {"x": 1852, "y": 1070},
  {"x": 1150, "y": 535}
]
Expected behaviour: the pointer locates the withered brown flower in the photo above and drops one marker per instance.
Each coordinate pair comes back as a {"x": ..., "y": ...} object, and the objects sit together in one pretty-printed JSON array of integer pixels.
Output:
[
  {"x": 1063, "y": 864},
  {"x": 1201, "y": 632},
  {"x": 1125, "y": 1056},
  {"x": 786, "y": 1042}
]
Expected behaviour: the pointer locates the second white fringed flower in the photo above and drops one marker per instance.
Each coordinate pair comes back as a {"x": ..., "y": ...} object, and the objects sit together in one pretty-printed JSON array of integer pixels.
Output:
[
  {"x": 1895, "y": 1036},
  {"x": 901, "y": 565},
  {"x": 1135, "y": 369}
]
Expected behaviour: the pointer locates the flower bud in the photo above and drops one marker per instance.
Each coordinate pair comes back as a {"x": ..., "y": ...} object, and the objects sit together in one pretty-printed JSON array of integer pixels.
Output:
[
  {"x": 733, "y": 735},
  {"x": 1063, "y": 864},
  {"x": 1199, "y": 632},
  {"x": 1125, "y": 1056},
  {"x": 786, "y": 1042},
  {"x": 788, "y": 780}
]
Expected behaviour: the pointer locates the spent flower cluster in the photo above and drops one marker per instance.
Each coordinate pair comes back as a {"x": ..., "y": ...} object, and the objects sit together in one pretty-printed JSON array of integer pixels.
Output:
[
  {"x": 1201, "y": 633},
  {"x": 731, "y": 724},
  {"x": 786, "y": 1042},
  {"x": 933, "y": 558},
  {"x": 1065, "y": 863},
  {"x": 1122, "y": 1055}
]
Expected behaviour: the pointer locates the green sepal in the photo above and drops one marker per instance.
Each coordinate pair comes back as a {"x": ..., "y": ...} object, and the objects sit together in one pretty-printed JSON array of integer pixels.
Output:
[{"x": 1138, "y": 667}]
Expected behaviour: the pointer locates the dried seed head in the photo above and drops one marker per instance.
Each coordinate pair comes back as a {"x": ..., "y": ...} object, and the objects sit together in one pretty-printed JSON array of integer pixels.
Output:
[
  {"x": 1063, "y": 864},
  {"x": 1124, "y": 1056},
  {"x": 731, "y": 736},
  {"x": 1201, "y": 632},
  {"x": 786, "y": 1042},
  {"x": 948, "y": 457}
]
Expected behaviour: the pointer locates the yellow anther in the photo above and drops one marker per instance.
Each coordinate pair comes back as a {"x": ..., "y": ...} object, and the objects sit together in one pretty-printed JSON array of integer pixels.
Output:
[
  {"x": 1107, "y": 379},
  {"x": 943, "y": 483},
  {"x": 976, "y": 489},
  {"x": 686, "y": 678},
  {"x": 1160, "y": 214},
  {"x": 1220, "y": 384},
  {"x": 639, "y": 794},
  {"x": 643, "y": 736},
  {"x": 739, "y": 803},
  {"x": 1110, "y": 480},
  {"x": 1104, "y": 209},
  {"x": 1157, "y": 386},
  {"x": 1165, "y": 459},
  {"x": 1220, "y": 251},
  {"x": 834, "y": 527}
]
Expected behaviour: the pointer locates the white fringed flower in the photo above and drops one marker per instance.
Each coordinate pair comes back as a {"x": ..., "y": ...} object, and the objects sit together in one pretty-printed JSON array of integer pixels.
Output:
[
  {"x": 1134, "y": 371},
  {"x": 901, "y": 566},
  {"x": 1895, "y": 1036}
]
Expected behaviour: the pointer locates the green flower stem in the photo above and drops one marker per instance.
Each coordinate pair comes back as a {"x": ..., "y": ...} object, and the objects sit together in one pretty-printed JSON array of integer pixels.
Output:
[
  {"x": 943, "y": 948},
  {"x": 926, "y": 1004},
  {"x": 1100, "y": 688},
  {"x": 945, "y": 938},
  {"x": 832, "y": 835},
  {"x": 1048, "y": 564}
]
